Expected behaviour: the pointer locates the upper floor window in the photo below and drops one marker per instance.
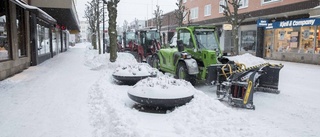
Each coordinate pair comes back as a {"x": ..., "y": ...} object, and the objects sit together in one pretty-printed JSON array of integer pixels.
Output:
[
  {"x": 244, "y": 3},
  {"x": 268, "y": 1},
  {"x": 194, "y": 13},
  {"x": 221, "y": 2},
  {"x": 207, "y": 10},
  {"x": 184, "y": 1}
]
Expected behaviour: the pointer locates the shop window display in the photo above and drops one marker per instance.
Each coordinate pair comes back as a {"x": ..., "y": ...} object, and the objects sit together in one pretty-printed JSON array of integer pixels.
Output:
[
  {"x": 268, "y": 43},
  {"x": 307, "y": 39},
  {"x": 317, "y": 46},
  {"x": 5, "y": 49},
  {"x": 248, "y": 40},
  {"x": 43, "y": 40},
  {"x": 21, "y": 32},
  {"x": 287, "y": 39}
]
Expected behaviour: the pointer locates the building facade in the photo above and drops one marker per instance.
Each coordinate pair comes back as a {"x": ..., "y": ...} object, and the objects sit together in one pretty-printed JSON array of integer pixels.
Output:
[
  {"x": 273, "y": 29},
  {"x": 28, "y": 36}
]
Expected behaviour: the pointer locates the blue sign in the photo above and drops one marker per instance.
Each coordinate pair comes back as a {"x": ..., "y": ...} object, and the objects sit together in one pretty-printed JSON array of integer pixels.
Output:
[
  {"x": 262, "y": 23},
  {"x": 294, "y": 23}
]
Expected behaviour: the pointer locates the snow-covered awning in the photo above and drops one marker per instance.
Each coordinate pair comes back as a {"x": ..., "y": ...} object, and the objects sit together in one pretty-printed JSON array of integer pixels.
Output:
[{"x": 43, "y": 15}]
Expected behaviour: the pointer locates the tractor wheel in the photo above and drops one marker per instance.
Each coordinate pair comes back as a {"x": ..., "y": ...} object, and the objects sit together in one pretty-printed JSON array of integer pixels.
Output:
[
  {"x": 156, "y": 62},
  {"x": 182, "y": 73}
]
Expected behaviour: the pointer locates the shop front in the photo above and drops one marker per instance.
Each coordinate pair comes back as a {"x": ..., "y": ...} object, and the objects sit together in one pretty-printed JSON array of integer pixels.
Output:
[{"x": 293, "y": 40}]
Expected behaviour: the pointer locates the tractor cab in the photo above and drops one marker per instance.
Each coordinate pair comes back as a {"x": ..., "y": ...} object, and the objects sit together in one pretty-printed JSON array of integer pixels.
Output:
[
  {"x": 129, "y": 40},
  {"x": 201, "y": 42}
]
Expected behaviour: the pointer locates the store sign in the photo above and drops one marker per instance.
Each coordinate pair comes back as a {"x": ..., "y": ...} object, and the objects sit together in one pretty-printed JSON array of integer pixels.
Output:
[
  {"x": 262, "y": 23},
  {"x": 294, "y": 23}
]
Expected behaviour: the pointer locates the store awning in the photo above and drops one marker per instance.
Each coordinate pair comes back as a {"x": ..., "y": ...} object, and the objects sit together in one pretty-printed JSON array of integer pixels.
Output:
[
  {"x": 40, "y": 13},
  {"x": 64, "y": 16}
]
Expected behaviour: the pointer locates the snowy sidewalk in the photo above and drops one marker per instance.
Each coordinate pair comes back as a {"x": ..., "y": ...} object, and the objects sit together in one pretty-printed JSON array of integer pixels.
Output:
[{"x": 48, "y": 100}]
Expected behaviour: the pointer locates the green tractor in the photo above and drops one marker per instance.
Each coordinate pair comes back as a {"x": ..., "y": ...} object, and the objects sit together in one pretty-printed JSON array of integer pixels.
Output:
[
  {"x": 198, "y": 57},
  {"x": 197, "y": 49}
]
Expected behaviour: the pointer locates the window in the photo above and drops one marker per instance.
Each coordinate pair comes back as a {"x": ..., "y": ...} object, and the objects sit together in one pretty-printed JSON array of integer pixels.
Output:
[
  {"x": 194, "y": 13},
  {"x": 5, "y": 48},
  {"x": 268, "y": 1},
  {"x": 184, "y": 1},
  {"x": 248, "y": 40},
  {"x": 222, "y": 2},
  {"x": 244, "y": 3},
  {"x": 207, "y": 10},
  {"x": 21, "y": 32},
  {"x": 185, "y": 36},
  {"x": 43, "y": 40}
]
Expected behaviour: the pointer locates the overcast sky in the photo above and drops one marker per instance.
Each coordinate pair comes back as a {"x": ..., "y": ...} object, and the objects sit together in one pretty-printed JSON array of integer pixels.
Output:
[{"x": 131, "y": 9}]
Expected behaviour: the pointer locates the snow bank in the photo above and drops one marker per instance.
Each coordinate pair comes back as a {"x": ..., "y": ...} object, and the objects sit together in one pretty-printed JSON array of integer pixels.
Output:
[{"x": 247, "y": 59}]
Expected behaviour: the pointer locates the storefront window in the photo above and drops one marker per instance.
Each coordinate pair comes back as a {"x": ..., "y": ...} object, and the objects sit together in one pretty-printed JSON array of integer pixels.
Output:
[
  {"x": 287, "y": 39},
  {"x": 248, "y": 40},
  {"x": 307, "y": 39},
  {"x": 268, "y": 43},
  {"x": 43, "y": 40},
  {"x": 5, "y": 50},
  {"x": 54, "y": 41},
  {"x": 21, "y": 32},
  {"x": 317, "y": 46}
]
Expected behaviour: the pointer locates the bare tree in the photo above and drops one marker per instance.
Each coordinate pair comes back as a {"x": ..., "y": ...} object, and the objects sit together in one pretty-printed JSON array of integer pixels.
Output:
[
  {"x": 93, "y": 14},
  {"x": 181, "y": 13},
  {"x": 158, "y": 20},
  {"x": 230, "y": 10},
  {"x": 112, "y": 29},
  {"x": 89, "y": 15}
]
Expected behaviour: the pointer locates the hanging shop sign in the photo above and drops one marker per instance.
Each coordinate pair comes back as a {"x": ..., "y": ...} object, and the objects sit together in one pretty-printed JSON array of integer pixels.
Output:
[
  {"x": 294, "y": 23},
  {"x": 262, "y": 23}
]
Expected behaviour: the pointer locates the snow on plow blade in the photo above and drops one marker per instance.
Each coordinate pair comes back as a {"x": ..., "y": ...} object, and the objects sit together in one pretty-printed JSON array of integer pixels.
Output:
[{"x": 269, "y": 81}]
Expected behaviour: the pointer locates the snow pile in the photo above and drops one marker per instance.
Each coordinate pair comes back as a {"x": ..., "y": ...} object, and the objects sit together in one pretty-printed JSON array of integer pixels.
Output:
[
  {"x": 136, "y": 70},
  {"x": 247, "y": 59},
  {"x": 162, "y": 88}
]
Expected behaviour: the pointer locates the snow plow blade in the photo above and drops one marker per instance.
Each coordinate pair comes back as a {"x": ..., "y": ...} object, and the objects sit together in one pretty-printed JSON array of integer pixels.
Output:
[
  {"x": 238, "y": 85},
  {"x": 269, "y": 81}
]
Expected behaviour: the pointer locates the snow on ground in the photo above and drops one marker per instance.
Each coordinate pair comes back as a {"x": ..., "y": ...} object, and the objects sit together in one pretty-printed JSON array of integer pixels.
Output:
[
  {"x": 74, "y": 94},
  {"x": 113, "y": 114}
]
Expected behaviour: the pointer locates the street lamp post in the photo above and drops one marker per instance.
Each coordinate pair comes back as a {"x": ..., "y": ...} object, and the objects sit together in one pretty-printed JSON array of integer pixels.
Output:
[{"x": 103, "y": 33}]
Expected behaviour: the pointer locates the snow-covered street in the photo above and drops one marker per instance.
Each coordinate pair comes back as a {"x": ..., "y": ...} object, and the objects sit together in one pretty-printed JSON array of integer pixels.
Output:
[{"x": 74, "y": 95}]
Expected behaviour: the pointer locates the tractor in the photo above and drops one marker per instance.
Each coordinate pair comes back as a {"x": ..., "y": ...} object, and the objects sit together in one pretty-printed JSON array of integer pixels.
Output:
[
  {"x": 198, "y": 57},
  {"x": 148, "y": 44}
]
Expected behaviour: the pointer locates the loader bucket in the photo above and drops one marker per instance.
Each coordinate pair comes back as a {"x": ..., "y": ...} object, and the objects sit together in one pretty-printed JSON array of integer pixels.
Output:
[{"x": 269, "y": 81}]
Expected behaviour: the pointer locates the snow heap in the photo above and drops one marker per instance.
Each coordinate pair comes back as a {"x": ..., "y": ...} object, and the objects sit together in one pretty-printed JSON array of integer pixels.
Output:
[
  {"x": 136, "y": 70},
  {"x": 163, "y": 87},
  {"x": 247, "y": 59}
]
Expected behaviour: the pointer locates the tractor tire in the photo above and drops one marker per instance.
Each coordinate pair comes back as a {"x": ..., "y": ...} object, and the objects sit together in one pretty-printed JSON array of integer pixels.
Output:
[{"x": 182, "y": 73}]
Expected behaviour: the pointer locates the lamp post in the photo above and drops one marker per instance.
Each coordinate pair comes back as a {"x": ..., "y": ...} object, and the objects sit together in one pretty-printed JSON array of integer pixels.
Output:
[{"x": 103, "y": 35}]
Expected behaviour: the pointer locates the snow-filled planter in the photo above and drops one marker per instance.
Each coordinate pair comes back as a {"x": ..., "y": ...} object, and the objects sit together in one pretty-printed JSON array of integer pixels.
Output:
[
  {"x": 162, "y": 92},
  {"x": 131, "y": 74}
]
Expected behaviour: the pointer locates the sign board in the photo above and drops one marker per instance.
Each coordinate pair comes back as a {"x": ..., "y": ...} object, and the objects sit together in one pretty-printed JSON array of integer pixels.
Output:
[
  {"x": 262, "y": 23},
  {"x": 227, "y": 27},
  {"x": 294, "y": 23}
]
